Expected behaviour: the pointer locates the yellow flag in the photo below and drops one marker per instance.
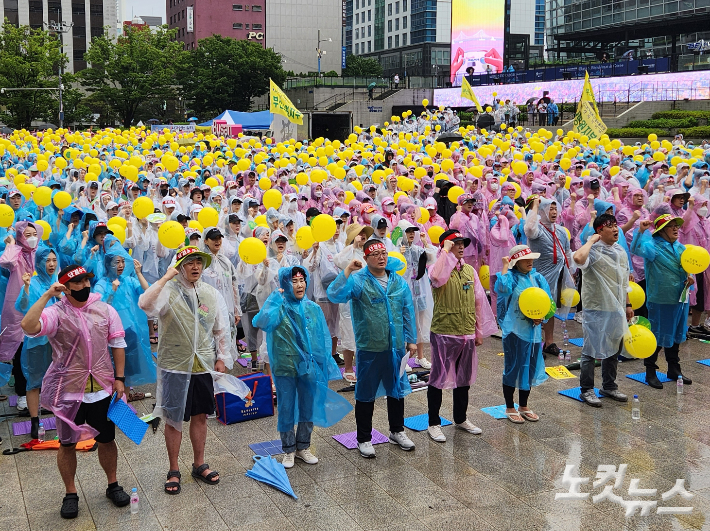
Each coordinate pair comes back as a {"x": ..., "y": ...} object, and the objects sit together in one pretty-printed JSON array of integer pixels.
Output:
[
  {"x": 280, "y": 104},
  {"x": 467, "y": 92},
  {"x": 588, "y": 92},
  {"x": 587, "y": 120}
]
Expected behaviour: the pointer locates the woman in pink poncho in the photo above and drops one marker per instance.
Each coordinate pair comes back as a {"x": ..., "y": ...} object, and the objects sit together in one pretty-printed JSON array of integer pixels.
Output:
[
  {"x": 502, "y": 240},
  {"x": 696, "y": 231},
  {"x": 468, "y": 224},
  {"x": 434, "y": 218}
]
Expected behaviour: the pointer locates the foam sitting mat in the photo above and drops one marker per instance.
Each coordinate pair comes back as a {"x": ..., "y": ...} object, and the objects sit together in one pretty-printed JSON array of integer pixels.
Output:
[
  {"x": 12, "y": 400},
  {"x": 641, "y": 377},
  {"x": 705, "y": 362},
  {"x": 570, "y": 317},
  {"x": 421, "y": 422},
  {"x": 267, "y": 447},
  {"x": 25, "y": 427},
  {"x": 577, "y": 341},
  {"x": 244, "y": 362},
  {"x": 497, "y": 412},
  {"x": 576, "y": 393},
  {"x": 349, "y": 440},
  {"x": 342, "y": 370},
  {"x": 413, "y": 363},
  {"x": 125, "y": 419}
]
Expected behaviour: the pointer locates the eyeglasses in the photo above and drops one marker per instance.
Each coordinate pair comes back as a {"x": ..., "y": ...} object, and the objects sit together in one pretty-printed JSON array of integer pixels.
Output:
[{"x": 377, "y": 254}]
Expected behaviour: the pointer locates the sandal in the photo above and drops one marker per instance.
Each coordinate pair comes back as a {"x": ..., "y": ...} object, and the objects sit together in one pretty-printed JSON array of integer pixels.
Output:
[
  {"x": 173, "y": 484},
  {"x": 350, "y": 377},
  {"x": 529, "y": 415},
  {"x": 3, "y": 398},
  {"x": 70, "y": 506},
  {"x": 551, "y": 349},
  {"x": 209, "y": 478},
  {"x": 153, "y": 340},
  {"x": 118, "y": 496},
  {"x": 135, "y": 395},
  {"x": 513, "y": 415}
]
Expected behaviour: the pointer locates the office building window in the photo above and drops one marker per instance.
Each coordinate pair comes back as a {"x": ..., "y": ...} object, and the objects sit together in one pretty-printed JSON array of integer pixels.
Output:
[
  {"x": 369, "y": 15},
  {"x": 404, "y": 22},
  {"x": 357, "y": 4},
  {"x": 396, "y": 8},
  {"x": 389, "y": 10},
  {"x": 77, "y": 8},
  {"x": 369, "y": 46},
  {"x": 237, "y": 7},
  {"x": 369, "y": 31},
  {"x": 389, "y": 25},
  {"x": 396, "y": 41},
  {"x": 256, "y": 8},
  {"x": 237, "y": 25},
  {"x": 404, "y": 39},
  {"x": 404, "y": 5},
  {"x": 79, "y": 32},
  {"x": 257, "y": 26},
  {"x": 357, "y": 48},
  {"x": 396, "y": 24},
  {"x": 357, "y": 18},
  {"x": 96, "y": 31},
  {"x": 357, "y": 33},
  {"x": 389, "y": 42}
]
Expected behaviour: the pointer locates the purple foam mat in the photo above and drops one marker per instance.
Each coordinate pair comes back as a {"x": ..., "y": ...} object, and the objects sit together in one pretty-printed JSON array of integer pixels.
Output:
[
  {"x": 413, "y": 363},
  {"x": 23, "y": 428},
  {"x": 342, "y": 370},
  {"x": 243, "y": 362},
  {"x": 12, "y": 400},
  {"x": 349, "y": 440}
]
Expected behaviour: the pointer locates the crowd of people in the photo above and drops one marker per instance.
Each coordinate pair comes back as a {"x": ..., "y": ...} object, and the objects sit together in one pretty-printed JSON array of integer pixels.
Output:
[{"x": 304, "y": 255}]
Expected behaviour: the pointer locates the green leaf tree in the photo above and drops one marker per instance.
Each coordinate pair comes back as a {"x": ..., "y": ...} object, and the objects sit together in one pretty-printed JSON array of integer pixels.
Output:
[
  {"x": 361, "y": 66},
  {"x": 29, "y": 59},
  {"x": 224, "y": 73},
  {"x": 138, "y": 67}
]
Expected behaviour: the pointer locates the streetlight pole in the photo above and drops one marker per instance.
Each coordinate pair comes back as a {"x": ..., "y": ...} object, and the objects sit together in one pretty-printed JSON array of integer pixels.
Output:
[
  {"x": 59, "y": 29},
  {"x": 319, "y": 51}
]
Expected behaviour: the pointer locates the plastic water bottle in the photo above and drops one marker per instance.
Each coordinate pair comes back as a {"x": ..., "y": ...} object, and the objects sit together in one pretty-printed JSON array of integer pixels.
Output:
[
  {"x": 679, "y": 385},
  {"x": 134, "y": 500},
  {"x": 565, "y": 338},
  {"x": 40, "y": 432},
  {"x": 568, "y": 356},
  {"x": 635, "y": 408}
]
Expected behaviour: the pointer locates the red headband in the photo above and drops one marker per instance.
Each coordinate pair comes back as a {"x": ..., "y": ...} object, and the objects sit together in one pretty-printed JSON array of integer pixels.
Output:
[
  {"x": 375, "y": 247},
  {"x": 298, "y": 273},
  {"x": 71, "y": 274}
]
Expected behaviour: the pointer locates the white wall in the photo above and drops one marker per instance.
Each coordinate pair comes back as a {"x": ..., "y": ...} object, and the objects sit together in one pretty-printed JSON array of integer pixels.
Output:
[
  {"x": 522, "y": 18},
  {"x": 292, "y": 30},
  {"x": 443, "y": 21}
]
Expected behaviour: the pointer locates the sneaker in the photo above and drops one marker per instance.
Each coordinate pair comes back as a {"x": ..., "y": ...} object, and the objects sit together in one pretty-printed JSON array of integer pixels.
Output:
[
  {"x": 614, "y": 394},
  {"x": 591, "y": 398},
  {"x": 697, "y": 330},
  {"x": 498, "y": 334},
  {"x": 21, "y": 403},
  {"x": 366, "y": 450},
  {"x": 424, "y": 363},
  {"x": 707, "y": 324},
  {"x": 578, "y": 317},
  {"x": 288, "y": 460},
  {"x": 400, "y": 438},
  {"x": 436, "y": 434},
  {"x": 339, "y": 359},
  {"x": 408, "y": 369},
  {"x": 306, "y": 456},
  {"x": 468, "y": 426},
  {"x": 552, "y": 349}
]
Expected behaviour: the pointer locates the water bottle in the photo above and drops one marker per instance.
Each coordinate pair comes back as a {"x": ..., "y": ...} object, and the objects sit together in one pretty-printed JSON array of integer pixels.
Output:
[
  {"x": 134, "y": 500},
  {"x": 40, "y": 432},
  {"x": 635, "y": 408},
  {"x": 568, "y": 356},
  {"x": 679, "y": 385},
  {"x": 565, "y": 338}
]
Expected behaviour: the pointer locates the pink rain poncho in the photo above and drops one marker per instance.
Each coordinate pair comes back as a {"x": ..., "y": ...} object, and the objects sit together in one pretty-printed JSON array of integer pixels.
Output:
[
  {"x": 696, "y": 231},
  {"x": 19, "y": 259}
]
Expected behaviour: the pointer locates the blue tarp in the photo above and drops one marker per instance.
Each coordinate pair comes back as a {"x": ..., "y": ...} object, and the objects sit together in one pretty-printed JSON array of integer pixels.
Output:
[{"x": 248, "y": 120}]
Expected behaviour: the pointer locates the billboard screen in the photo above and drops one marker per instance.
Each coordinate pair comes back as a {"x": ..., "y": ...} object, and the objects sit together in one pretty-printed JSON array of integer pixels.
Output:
[{"x": 477, "y": 33}]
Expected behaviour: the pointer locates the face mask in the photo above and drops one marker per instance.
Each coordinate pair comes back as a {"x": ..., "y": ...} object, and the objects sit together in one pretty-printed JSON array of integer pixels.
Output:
[
  {"x": 319, "y": 194},
  {"x": 292, "y": 206},
  {"x": 703, "y": 212},
  {"x": 163, "y": 192},
  {"x": 81, "y": 295},
  {"x": 494, "y": 186},
  {"x": 389, "y": 208},
  {"x": 32, "y": 240},
  {"x": 232, "y": 192}
]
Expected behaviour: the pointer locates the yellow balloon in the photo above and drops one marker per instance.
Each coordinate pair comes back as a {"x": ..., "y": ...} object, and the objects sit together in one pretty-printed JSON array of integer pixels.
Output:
[
  {"x": 425, "y": 102},
  {"x": 434, "y": 233},
  {"x": 62, "y": 200},
  {"x": 265, "y": 183},
  {"x": 695, "y": 259},
  {"x": 252, "y": 251},
  {"x": 142, "y": 208},
  {"x": 484, "y": 275},
  {"x": 639, "y": 341},
  {"x": 323, "y": 227},
  {"x": 261, "y": 221},
  {"x": 534, "y": 303},
  {"x": 423, "y": 215},
  {"x": 42, "y": 196},
  {"x": 454, "y": 193},
  {"x": 569, "y": 297},
  {"x": 46, "y": 229},
  {"x": 636, "y": 296},
  {"x": 117, "y": 220},
  {"x": 118, "y": 231},
  {"x": 7, "y": 215},
  {"x": 272, "y": 198},
  {"x": 60, "y": 163},
  {"x": 211, "y": 182},
  {"x": 401, "y": 258},
  {"x": 208, "y": 217},
  {"x": 565, "y": 163},
  {"x": 42, "y": 165},
  {"x": 171, "y": 234},
  {"x": 194, "y": 224}
]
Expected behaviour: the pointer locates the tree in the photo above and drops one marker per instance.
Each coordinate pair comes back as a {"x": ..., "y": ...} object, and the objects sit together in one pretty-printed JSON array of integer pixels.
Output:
[
  {"x": 224, "y": 73},
  {"x": 29, "y": 58},
  {"x": 140, "y": 66},
  {"x": 361, "y": 66}
]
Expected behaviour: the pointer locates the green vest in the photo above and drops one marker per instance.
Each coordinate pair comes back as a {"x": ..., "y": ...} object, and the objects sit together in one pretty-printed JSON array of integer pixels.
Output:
[{"x": 454, "y": 306}]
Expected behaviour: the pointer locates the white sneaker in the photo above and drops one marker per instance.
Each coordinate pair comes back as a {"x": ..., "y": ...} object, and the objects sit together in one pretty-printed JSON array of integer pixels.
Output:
[
  {"x": 288, "y": 460},
  {"x": 401, "y": 439},
  {"x": 578, "y": 317},
  {"x": 468, "y": 426},
  {"x": 436, "y": 434},
  {"x": 366, "y": 450},
  {"x": 408, "y": 369},
  {"x": 498, "y": 334},
  {"x": 307, "y": 456},
  {"x": 21, "y": 403},
  {"x": 424, "y": 363}
]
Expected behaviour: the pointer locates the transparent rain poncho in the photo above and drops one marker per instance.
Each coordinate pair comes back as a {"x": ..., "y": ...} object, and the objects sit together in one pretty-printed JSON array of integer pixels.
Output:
[
  {"x": 605, "y": 283},
  {"x": 194, "y": 334},
  {"x": 299, "y": 355},
  {"x": 420, "y": 287},
  {"x": 140, "y": 365},
  {"x": 36, "y": 351},
  {"x": 384, "y": 323}
]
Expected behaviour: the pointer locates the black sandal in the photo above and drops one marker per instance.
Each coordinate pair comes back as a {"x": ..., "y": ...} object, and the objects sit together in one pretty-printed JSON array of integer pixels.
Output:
[
  {"x": 197, "y": 474},
  {"x": 118, "y": 496},
  {"x": 172, "y": 484},
  {"x": 70, "y": 506}
]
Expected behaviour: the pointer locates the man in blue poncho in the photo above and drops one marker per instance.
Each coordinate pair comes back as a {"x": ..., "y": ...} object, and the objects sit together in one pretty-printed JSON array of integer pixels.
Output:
[
  {"x": 665, "y": 285},
  {"x": 384, "y": 323},
  {"x": 299, "y": 354}
]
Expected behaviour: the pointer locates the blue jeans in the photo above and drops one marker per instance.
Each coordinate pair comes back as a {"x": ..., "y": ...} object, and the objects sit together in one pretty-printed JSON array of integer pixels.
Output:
[{"x": 300, "y": 440}]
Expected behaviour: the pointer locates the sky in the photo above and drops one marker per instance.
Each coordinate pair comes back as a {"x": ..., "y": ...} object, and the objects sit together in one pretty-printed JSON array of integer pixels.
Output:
[{"x": 154, "y": 8}]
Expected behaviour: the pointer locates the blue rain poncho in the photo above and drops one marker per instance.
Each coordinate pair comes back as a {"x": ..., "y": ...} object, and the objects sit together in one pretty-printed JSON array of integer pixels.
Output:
[
  {"x": 36, "y": 351},
  {"x": 67, "y": 246},
  {"x": 140, "y": 366},
  {"x": 588, "y": 231},
  {"x": 665, "y": 281},
  {"x": 299, "y": 348},
  {"x": 384, "y": 322},
  {"x": 523, "y": 363}
]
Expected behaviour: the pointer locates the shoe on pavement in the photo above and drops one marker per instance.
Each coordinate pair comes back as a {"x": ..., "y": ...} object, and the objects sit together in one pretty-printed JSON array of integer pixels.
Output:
[
  {"x": 498, "y": 334},
  {"x": 652, "y": 380},
  {"x": 21, "y": 403},
  {"x": 578, "y": 317},
  {"x": 424, "y": 363},
  {"x": 591, "y": 398},
  {"x": 686, "y": 380},
  {"x": 614, "y": 394},
  {"x": 436, "y": 434},
  {"x": 306, "y": 456},
  {"x": 400, "y": 438},
  {"x": 468, "y": 426},
  {"x": 408, "y": 369},
  {"x": 288, "y": 460},
  {"x": 366, "y": 450}
]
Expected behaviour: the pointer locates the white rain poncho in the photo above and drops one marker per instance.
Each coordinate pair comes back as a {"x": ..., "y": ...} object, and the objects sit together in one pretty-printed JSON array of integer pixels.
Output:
[{"x": 604, "y": 287}]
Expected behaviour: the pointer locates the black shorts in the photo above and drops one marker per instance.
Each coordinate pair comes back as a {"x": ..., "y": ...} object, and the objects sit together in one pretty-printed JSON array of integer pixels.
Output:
[
  {"x": 200, "y": 396},
  {"x": 96, "y": 416},
  {"x": 700, "y": 286}
]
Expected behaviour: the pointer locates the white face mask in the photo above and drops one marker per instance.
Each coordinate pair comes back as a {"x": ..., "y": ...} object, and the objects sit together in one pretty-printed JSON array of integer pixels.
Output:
[
  {"x": 32, "y": 242},
  {"x": 389, "y": 208},
  {"x": 494, "y": 186},
  {"x": 292, "y": 206},
  {"x": 319, "y": 194},
  {"x": 703, "y": 212}
]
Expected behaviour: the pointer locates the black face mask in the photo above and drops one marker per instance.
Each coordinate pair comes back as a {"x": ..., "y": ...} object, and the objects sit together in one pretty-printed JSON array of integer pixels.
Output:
[
  {"x": 81, "y": 295},
  {"x": 163, "y": 192}
]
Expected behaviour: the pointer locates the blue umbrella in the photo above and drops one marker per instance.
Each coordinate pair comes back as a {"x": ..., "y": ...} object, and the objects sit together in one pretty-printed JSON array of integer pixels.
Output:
[
  {"x": 268, "y": 470},
  {"x": 193, "y": 119}
]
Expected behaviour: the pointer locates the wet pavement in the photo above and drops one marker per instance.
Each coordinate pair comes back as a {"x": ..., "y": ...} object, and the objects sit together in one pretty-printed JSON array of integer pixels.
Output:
[{"x": 507, "y": 478}]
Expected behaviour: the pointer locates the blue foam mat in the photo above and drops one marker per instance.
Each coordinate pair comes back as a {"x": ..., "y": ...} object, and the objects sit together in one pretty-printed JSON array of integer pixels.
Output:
[
  {"x": 497, "y": 412},
  {"x": 267, "y": 447},
  {"x": 641, "y": 377},
  {"x": 705, "y": 362},
  {"x": 126, "y": 420},
  {"x": 577, "y": 341},
  {"x": 576, "y": 393},
  {"x": 421, "y": 422},
  {"x": 570, "y": 317}
]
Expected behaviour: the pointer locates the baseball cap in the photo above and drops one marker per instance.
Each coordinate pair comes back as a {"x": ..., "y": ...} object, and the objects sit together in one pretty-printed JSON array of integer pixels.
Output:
[
  {"x": 73, "y": 273},
  {"x": 454, "y": 236}
]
